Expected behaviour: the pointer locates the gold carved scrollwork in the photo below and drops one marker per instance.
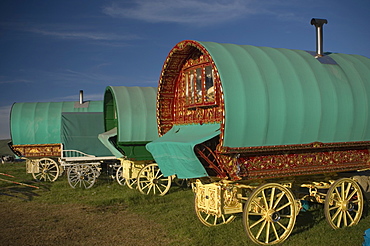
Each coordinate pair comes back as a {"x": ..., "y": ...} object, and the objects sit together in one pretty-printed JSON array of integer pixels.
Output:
[{"x": 306, "y": 163}]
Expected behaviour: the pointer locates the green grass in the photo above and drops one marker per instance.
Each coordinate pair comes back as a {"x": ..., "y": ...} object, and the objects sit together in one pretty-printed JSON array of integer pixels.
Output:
[{"x": 176, "y": 213}]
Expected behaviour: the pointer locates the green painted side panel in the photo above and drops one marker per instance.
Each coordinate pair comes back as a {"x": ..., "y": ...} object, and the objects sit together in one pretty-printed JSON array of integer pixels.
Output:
[
  {"x": 174, "y": 151},
  {"x": 133, "y": 111},
  {"x": 282, "y": 97},
  {"x": 40, "y": 122}
]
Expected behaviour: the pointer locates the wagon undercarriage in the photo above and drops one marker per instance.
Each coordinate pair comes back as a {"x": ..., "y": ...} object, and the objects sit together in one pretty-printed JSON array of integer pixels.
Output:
[
  {"x": 270, "y": 189},
  {"x": 270, "y": 207}
]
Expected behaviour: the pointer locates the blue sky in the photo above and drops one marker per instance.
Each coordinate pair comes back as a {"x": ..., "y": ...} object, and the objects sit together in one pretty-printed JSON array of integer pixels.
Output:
[{"x": 49, "y": 50}]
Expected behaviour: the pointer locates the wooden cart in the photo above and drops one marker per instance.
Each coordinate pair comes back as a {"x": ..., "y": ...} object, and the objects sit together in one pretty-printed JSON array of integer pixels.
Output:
[
  {"x": 261, "y": 131},
  {"x": 42, "y": 131}
]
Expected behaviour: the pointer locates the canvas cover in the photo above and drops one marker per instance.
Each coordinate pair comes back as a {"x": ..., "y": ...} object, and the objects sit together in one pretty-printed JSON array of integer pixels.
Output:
[
  {"x": 80, "y": 130},
  {"x": 174, "y": 151},
  {"x": 132, "y": 111},
  {"x": 40, "y": 122},
  {"x": 277, "y": 96}
]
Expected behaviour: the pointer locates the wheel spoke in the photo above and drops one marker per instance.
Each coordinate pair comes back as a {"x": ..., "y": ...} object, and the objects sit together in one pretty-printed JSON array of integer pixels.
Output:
[
  {"x": 282, "y": 226},
  {"x": 275, "y": 231},
  {"x": 336, "y": 214},
  {"x": 261, "y": 229},
  {"x": 264, "y": 199},
  {"x": 352, "y": 194},
  {"x": 339, "y": 219},
  {"x": 348, "y": 190},
  {"x": 278, "y": 200},
  {"x": 258, "y": 205},
  {"x": 267, "y": 232},
  {"x": 257, "y": 222},
  {"x": 350, "y": 216},
  {"x": 272, "y": 196},
  {"x": 283, "y": 206}
]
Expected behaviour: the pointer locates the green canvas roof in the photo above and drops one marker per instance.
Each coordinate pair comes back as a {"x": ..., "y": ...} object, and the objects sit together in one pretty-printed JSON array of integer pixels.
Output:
[
  {"x": 133, "y": 111},
  {"x": 130, "y": 121},
  {"x": 40, "y": 122},
  {"x": 280, "y": 96}
]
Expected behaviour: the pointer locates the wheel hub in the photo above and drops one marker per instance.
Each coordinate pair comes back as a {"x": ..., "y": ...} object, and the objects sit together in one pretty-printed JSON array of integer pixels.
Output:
[
  {"x": 347, "y": 206},
  {"x": 272, "y": 216}
]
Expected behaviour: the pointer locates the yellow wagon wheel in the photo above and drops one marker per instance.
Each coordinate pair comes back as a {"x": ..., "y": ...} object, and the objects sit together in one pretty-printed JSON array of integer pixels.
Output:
[
  {"x": 270, "y": 213},
  {"x": 209, "y": 219},
  {"x": 150, "y": 180},
  {"x": 343, "y": 203},
  {"x": 48, "y": 170},
  {"x": 81, "y": 176}
]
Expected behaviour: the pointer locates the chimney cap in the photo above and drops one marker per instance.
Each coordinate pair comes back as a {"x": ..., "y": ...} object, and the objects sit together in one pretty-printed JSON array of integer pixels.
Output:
[{"x": 318, "y": 22}]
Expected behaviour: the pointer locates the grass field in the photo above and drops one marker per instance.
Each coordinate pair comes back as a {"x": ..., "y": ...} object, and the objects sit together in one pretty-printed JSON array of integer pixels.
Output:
[{"x": 174, "y": 212}]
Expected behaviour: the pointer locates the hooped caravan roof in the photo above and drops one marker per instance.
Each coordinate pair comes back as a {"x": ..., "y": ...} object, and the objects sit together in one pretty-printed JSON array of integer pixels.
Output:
[
  {"x": 40, "y": 122},
  {"x": 130, "y": 114},
  {"x": 282, "y": 97}
]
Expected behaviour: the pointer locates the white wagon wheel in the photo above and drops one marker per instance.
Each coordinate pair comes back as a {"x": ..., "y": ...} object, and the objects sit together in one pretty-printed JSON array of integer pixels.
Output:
[
  {"x": 343, "y": 203},
  {"x": 270, "y": 213},
  {"x": 119, "y": 176},
  {"x": 212, "y": 219},
  {"x": 81, "y": 176},
  {"x": 48, "y": 170},
  {"x": 150, "y": 180}
]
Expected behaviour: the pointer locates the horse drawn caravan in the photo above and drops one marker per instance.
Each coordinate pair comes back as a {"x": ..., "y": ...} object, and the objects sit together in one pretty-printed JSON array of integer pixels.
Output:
[
  {"x": 130, "y": 123},
  {"x": 53, "y": 136},
  {"x": 254, "y": 127}
]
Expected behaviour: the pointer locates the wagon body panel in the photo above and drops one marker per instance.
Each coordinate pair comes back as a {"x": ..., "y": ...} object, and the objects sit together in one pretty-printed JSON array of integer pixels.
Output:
[{"x": 132, "y": 111}]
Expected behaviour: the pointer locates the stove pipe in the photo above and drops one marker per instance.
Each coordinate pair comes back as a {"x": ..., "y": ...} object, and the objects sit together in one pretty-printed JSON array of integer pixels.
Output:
[
  {"x": 81, "y": 96},
  {"x": 318, "y": 23}
]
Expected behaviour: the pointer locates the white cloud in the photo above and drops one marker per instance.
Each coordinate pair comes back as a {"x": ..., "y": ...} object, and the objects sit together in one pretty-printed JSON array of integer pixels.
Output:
[
  {"x": 5, "y": 80},
  {"x": 67, "y": 31},
  {"x": 4, "y": 122},
  {"x": 183, "y": 11},
  {"x": 97, "y": 36}
]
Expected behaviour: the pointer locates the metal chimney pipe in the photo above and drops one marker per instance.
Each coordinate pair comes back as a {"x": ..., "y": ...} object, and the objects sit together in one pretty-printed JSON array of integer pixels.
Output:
[
  {"x": 318, "y": 23},
  {"x": 81, "y": 96}
]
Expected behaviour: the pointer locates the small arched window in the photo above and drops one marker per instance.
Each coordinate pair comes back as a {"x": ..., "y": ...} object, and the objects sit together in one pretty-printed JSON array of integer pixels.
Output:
[{"x": 199, "y": 83}]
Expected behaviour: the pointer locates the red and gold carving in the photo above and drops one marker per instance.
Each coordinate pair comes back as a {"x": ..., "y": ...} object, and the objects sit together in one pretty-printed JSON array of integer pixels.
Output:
[
  {"x": 172, "y": 105},
  {"x": 285, "y": 165},
  {"x": 38, "y": 150}
]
